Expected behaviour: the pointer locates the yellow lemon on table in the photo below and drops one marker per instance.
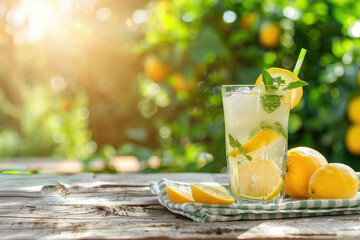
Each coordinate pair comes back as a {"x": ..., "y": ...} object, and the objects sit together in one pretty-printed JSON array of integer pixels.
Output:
[
  {"x": 333, "y": 181},
  {"x": 257, "y": 179},
  {"x": 301, "y": 163},
  {"x": 206, "y": 194},
  {"x": 178, "y": 195},
  {"x": 354, "y": 110},
  {"x": 352, "y": 139},
  {"x": 296, "y": 94}
]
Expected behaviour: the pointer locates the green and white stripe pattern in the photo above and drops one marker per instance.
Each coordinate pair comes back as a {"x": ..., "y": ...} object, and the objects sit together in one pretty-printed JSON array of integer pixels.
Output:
[
  {"x": 289, "y": 208},
  {"x": 299, "y": 61}
]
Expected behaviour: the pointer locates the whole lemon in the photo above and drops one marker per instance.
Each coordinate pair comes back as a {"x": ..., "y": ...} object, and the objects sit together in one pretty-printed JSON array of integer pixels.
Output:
[
  {"x": 334, "y": 181},
  {"x": 248, "y": 20},
  {"x": 155, "y": 69},
  {"x": 301, "y": 163},
  {"x": 181, "y": 84},
  {"x": 269, "y": 34},
  {"x": 352, "y": 139},
  {"x": 354, "y": 110}
]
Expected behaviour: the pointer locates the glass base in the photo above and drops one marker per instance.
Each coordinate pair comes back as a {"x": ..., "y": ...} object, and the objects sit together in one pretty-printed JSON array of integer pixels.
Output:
[{"x": 244, "y": 201}]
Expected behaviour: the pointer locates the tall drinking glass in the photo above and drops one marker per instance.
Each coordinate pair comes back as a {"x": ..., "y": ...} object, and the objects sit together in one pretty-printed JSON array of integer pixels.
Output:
[{"x": 256, "y": 128}]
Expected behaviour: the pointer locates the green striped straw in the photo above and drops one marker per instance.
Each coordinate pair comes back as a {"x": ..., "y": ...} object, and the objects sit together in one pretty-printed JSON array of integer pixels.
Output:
[{"x": 299, "y": 61}]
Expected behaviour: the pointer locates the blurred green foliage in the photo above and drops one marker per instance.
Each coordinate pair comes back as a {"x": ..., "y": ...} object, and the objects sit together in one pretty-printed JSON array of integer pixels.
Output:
[
  {"x": 231, "y": 42},
  {"x": 143, "y": 79}
]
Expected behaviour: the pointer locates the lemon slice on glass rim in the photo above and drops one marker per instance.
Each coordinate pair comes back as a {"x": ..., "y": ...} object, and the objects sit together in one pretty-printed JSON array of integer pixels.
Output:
[{"x": 296, "y": 94}]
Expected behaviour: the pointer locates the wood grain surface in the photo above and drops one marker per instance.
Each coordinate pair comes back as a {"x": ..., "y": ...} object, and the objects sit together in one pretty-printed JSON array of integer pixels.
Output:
[{"x": 90, "y": 206}]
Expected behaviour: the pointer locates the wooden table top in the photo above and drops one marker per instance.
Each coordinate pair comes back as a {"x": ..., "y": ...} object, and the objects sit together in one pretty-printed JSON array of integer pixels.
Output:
[{"x": 93, "y": 206}]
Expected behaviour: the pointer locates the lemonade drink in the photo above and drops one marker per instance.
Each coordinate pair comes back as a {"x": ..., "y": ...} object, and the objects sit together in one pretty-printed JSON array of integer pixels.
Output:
[{"x": 256, "y": 126}]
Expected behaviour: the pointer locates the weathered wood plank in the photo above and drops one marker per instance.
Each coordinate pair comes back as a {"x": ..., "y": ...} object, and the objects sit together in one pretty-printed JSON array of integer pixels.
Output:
[
  {"x": 121, "y": 207},
  {"x": 105, "y": 180},
  {"x": 181, "y": 228}
]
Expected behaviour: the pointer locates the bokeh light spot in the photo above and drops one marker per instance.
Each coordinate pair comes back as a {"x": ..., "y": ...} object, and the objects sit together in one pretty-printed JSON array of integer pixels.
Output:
[
  {"x": 287, "y": 62},
  {"x": 291, "y": 13},
  {"x": 287, "y": 24},
  {"x": 354, "y": 30},
  {"x": 83, "y": 113},
  {"x": 91, "y": 146},
  {"x": 188, "y": 17},
  {"x": 309, "y": 18},
  {"x": 163, "y": 100},
  {"x": 58, "y": 83},
  {"x": 287, "y": 41},
  {"x": 229, "y": 16},
  {"x": 140, "y": 16},
  {"x": 339, "y": 70},
  {"x": 103, "y": 14},
  {"x": 165, "y": 132},
  {"x": 269, "y": 57},
  {"x": 347, "y": 58}
]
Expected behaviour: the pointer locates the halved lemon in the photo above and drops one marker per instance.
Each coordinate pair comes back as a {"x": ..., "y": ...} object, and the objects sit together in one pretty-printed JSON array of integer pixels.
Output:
[
  {"x": 210, "y": 195},
  {"x": 296, "y": 94},
  {"x": 178, "y": 195},
  {"x": 215, "y": 185},
  {"x": 257, "y": 180},
  {"x": 263, "y": 138}
]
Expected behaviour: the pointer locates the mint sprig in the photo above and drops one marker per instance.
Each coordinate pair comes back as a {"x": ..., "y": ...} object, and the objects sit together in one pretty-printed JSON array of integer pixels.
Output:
[
  {"x": 268, "y": 81},
  {"x": 296, "y": 84},
  {"x": 235, "y": 144},
  {"x": 271, "y": 102}
]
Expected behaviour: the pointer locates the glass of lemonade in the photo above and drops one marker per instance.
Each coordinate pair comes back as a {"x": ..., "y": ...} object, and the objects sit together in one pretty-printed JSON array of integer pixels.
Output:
[{"x": 256, "y": 128}]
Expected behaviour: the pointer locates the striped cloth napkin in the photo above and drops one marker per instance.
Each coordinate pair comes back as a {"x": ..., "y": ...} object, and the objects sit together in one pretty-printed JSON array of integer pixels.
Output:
[{"x": 289, "y": 208}]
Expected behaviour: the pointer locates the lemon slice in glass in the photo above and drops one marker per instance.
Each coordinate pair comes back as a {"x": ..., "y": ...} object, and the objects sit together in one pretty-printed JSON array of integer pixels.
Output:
[
  {"x": 296, "y": 94},
  {"x": 257, "y": 180},
  {"x": 263, "y": 138}
]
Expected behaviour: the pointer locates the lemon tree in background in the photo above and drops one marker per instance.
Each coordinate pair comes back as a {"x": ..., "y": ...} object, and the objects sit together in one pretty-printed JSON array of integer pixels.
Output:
[
  {"x": 210, "y": 43},
  {"x": 142, "y": 78},
  {"x": 352, "y": 139}
]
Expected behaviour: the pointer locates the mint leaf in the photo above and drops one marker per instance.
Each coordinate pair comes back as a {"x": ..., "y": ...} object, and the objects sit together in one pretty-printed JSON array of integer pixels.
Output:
[
  {"x": 235, "y": 144},
  {"x": 270, "y": 102},
  {"x": 266, "y": 77},
  {"x": 276, "y": 127},
  {"x": 280, "y": 129},
  {"x": 296, "y": 84},
  {"x": 268, "y": 81},
  {"x": 265, "y": 125},
  {"x": 279, "y": 81}
]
